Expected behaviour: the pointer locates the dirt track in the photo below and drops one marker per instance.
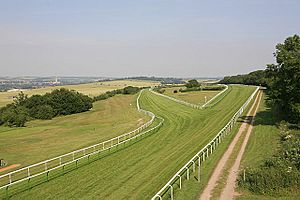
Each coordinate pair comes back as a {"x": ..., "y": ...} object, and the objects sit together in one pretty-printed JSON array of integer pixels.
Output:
[
  {"x": 9, "y": 167},
  {"x": 228, "y": 191}
]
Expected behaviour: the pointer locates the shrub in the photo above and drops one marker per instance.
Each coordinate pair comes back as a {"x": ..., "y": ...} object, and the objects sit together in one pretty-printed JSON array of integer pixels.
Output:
[
  {"x": 15, "y": 116},
  {"x": 66, "y": 102},
  {"x": 130, "y": 90},
  {"x": 44, "y": 112},
  {"x": 190, "y": 89},
  {"x": 175, "y": 91},
  {"x": 161, "y": 91},
  {"x": 278, "y": 172},
  {"x": 192, "y": 84},
  {"x": 108, "y": 94},
  {"x": 214, "y": 87}
]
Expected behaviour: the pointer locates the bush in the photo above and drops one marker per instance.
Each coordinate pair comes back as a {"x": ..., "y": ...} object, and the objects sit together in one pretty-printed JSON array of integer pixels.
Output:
[
  {"x": 44, "y": 112},
  {"x": 280, "y": 171},
  {"x": 192, "y": 84},
  {"x": 214, "y": 87},
  {"x": 190, "y": 89},
  {"x": 175, "y": 91},
  {"x": 130, "y": 90},
  {"x": 66, "y": 102},
  {"x": 108, "y": 94},
  {"x": 14, "y": 116},
  {"x": 161, "y": 91},
  {"x": 275, "y": 175}
]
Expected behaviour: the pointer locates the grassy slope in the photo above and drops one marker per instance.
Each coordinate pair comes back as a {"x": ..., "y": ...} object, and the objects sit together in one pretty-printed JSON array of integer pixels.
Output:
[
  {"x": 196, "y": 97},
  {"x": 45, "y": 139},
  {"x": 140, "y": 170},
  {"x": 91, "y": 89},
  {"x": 263, "y": 142}
]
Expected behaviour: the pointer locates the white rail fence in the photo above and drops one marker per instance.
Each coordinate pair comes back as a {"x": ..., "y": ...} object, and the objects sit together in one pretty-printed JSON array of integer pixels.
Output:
[
  {"x": 60, "y": 162},
  {"x": 200, "y": 157},
  {"x": 191, "y": 104},
  {"x": 208, "y": 102}
]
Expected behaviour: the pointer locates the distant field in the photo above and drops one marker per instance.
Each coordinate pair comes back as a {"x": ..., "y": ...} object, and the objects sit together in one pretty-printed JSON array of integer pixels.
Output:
[
  {"x": 196, "y": 97},
  {"x": 91, "y": 89},
  {"x": 141, "y": 169},
  {"x": 41, "y": 140}
]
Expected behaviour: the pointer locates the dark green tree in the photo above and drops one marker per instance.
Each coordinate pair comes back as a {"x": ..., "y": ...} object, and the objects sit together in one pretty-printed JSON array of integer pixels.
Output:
[
  {"x": 20, "y": 99},
  {"x": 285, "y": 77},
  {"x": 15, "y": 116},
  {"x": 130, "y": 90},
  {"x": 44, "y": 112},
  {"x": 192, "y": 83}
]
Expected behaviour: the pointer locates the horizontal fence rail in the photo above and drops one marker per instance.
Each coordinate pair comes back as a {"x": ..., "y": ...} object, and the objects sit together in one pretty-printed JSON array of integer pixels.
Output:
[
  {"x": 196, "y": 161},
  {"x": 44, "y": 167},
  {"x": 191, "y": 104}
]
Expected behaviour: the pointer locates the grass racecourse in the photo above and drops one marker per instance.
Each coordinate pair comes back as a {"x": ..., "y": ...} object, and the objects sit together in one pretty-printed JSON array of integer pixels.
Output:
[
  {"x": 140, "y": 169},
  {"x": 195, "y": 97}
]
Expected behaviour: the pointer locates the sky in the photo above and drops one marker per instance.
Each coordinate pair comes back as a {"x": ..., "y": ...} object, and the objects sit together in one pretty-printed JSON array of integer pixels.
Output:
[{"x": 167, "y": 38}]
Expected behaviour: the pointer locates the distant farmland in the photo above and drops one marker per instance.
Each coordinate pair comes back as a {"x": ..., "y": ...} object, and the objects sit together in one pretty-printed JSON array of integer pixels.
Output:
[{"x": 91, "y": 89}]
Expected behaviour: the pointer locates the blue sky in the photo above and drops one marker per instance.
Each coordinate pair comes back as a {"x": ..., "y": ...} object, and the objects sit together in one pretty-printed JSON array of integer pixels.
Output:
[{"x": 131, "y": 38}]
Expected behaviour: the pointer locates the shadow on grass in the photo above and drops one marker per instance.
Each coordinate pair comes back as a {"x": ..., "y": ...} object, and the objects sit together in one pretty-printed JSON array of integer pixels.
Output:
[{"x": 269, "y": 116}]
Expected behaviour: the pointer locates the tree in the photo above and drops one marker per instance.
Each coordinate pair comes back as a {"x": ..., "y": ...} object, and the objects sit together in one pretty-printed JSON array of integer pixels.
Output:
[
  {"x": 66, "y": 102},
  {"x": 20, "y": 99},
  {"x": 192, "y": 83},
  {"x": 44, "y": 112},
  {"x": 130, "y": 90},
  {"x": 253, "y": 78},
  {"x": 285, "y": 76},
  {"x": 15, "y": 116}
]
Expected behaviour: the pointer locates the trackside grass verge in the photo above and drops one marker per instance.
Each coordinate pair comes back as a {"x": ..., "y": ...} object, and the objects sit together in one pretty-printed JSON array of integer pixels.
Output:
[{"x": 263, "y": 144}]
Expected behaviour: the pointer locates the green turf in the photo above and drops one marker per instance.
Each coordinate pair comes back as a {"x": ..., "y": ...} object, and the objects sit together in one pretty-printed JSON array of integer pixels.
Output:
[
  {"x": 264, "y": 137},
  {"x": 195, "y": 97},
  {"x": 41, "y": 140},
  {"x": 141, "y": 169}
]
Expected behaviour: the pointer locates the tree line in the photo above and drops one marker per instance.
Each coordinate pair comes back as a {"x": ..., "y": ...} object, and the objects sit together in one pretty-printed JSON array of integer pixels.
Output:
[
  {"x": 282, "y": 79},
  {"x": 253, "y": 78},
  {"x": 280, "y": 173}
]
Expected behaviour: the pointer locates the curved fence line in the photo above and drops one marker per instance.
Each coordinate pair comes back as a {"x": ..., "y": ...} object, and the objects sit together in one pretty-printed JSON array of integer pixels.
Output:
[
  {"x": 44, "y": 167},
  {"x": 191, "y": 104},
  {"x": 208, "y": 102},
  {"x": 200, "y": 157}
]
